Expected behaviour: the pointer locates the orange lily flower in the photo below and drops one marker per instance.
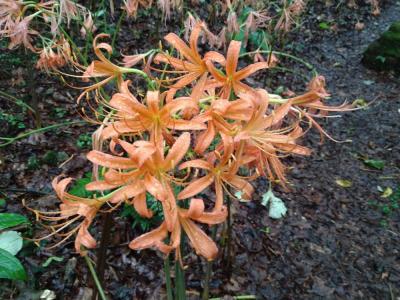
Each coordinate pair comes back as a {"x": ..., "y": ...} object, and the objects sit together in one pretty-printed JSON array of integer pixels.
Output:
[
  {"x": 216, "y": 115},
  {"x": 231, "y": 80},
  {"x": 311, "y": 104},
  {"x": 221, "y": 172},
  {"x": 154, "y": 117},
  {"x": 146, "y": 169},
  {"x": 102, "y": 67},
  {"x": 202, "y": 243},
  {"x": 72, "y": 210},
  {"x": 258, "y": 137},
  {"x": 193, "y": 66}
]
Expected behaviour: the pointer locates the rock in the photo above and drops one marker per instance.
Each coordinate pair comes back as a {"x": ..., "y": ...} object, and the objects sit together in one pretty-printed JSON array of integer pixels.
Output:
[{"x": 384, "y": 53}]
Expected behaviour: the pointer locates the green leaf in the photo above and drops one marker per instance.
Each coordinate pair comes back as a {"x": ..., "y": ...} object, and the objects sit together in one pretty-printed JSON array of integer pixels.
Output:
[
  {"x": 11, "y": 267},
  {"x": 277, "y": 208},
  {"x": 8, "y": 220},
  {"x": 79, "y": 187},
  {"x": 375, "y": 163},
  {"x": 11, "y": 241}
]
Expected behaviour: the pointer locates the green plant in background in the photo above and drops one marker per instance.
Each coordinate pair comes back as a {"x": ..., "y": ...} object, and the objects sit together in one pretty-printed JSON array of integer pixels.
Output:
[
  {"x": 78, "y": 188},
  {"x": 84, "y": 141},
  {"x": 15, "y": 121},
  {"x": 10, "y": 244},
  {"x": 388, "y": 204},
  {"x": 33, "y": 162},
  {"x": 145, "y": 224}
]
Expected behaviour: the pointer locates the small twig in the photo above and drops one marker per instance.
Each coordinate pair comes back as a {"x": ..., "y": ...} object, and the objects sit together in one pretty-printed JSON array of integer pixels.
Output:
[{"x": 27, "y": 191}]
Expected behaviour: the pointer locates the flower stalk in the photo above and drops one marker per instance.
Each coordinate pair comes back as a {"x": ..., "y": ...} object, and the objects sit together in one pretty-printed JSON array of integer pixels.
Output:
[{"x": 95, "y": 278}]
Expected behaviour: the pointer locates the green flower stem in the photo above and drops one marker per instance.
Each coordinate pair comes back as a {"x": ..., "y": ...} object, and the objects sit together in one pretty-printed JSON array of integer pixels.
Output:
[
  {"x": 206, "y": 290},
  {"x": 118, "y": 28},
  {"x": 17, "y": 101},
  {"x": 95, "y": 278},
  {"x": 308, "y": 65},
  {"x": 228, "y": 266},
  {"x": 168, "y": 283},
  {"x": 180, "y": 290},
  {"x": 10, "y": 140}
]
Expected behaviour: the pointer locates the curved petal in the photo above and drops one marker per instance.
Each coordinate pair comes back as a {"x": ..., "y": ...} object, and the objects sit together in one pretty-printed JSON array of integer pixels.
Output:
[
  {"x": 100, "y": 186},
  {"x": 196, "y": 163},
  {"x": 215, "y": 72},
  {"x": 216, "y": 57},
  {"x": 181, "y": 124},
  {"x": 217, "y": 216},
  {"x": 194, "y": 37},
  {"x": 249, "y": 70},
  {"x": 128, "y": 192},
  {"x": 122, "y": 127},
  {"x": 277, "y": 115},
  {"x": 241, "y": 185},
  {"x": 179, "y": 44},
  {"x": 205, "y": 139},
  {"x": 124, "y": 103},
  {"x": 154, "y": 238},
  {"x": 59, "y": 186},
  {"x": 202, "y": 244},
  {"x": 154, "y": 187},
  {"x": 140, "y": 205},
  {"x": 177, "y": 151},
  {"x": 176, "y": 105},
  {"x": 232, "y": 57},
  {"x": 196, "y": 208},
  {"x": 196, "y": 187},
  {"x": 110, "y": 161},
  {"x": 84, "y": 238}
]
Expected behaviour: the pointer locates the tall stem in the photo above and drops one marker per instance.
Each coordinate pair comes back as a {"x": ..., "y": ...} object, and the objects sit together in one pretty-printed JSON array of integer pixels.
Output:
[
  {"x": 168, "y": 283},
  {"x": 95, "y": 278},
  {"x": 206, "y": 291},
  {"x": 180, "y": 289},
  {"x": 101, "y": 253},
  {"x": 228, "y": 266}
]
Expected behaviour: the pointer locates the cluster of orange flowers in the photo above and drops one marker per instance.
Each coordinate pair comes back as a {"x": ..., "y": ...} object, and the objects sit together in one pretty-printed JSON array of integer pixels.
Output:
[
  {"x": 202, "y": 126},
  {"x": 16, "y": 23}
]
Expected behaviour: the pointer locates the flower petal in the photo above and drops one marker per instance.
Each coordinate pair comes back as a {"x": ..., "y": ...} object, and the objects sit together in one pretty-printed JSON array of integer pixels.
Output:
[
  {"x": 196, "y": 187},
  {"x": 202, "y": 244},
  {"x": 154, "y": 238},
  {"x": 128, "y": 192},
  {"x": 177, "y": 151},
  {"x": 110, "y": 161},
  {"x": 232, "y": 57},
  {"x": 140, "y": 205}
]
